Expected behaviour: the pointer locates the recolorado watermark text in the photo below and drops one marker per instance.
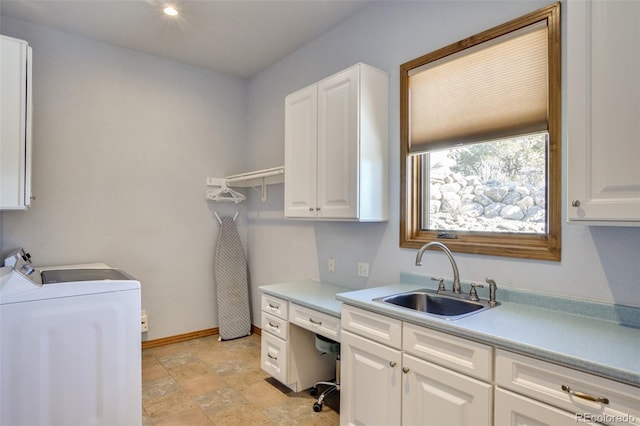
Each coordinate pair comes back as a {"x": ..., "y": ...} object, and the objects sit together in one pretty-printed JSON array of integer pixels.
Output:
[{"x": 604, "y": 418}]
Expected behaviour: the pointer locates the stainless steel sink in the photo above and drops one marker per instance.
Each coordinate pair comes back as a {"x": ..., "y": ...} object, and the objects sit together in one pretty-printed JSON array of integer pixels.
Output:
[{"x": 436, "y": 304}]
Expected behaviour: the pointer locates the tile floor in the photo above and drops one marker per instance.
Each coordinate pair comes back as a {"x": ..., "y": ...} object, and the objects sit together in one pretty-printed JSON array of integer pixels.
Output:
[{"x": 206, "y": 382}]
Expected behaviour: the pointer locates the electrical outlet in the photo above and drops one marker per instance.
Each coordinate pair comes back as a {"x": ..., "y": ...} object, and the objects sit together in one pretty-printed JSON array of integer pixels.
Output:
[
  {"x": 144, "y": 321},
  {"x": 332, "y": 264},
  {"x": 363, "y": 269}
]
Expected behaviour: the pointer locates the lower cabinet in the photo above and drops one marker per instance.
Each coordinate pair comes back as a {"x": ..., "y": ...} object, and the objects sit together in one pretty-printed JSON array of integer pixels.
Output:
[
  {"x": 288, "y": 351},
  {"x": 542, "y": 393},
  {"x": 383, "y": 385},
  {"x": 398, "y": 373}
]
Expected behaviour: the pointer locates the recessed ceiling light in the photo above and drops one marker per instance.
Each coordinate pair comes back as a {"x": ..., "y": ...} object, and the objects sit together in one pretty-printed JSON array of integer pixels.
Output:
[{"x": 170, "y": 11}]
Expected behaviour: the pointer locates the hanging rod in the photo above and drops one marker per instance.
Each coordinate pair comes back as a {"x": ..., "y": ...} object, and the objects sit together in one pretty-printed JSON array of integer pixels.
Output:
[
  {"x": 261, "y": 178},
  {"x": 274, "y": 175}
]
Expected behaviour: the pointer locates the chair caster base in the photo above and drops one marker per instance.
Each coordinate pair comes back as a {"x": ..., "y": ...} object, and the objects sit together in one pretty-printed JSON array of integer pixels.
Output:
[
  {"x": 313, "y": 391},
  {"x": 317, "y": 407}
]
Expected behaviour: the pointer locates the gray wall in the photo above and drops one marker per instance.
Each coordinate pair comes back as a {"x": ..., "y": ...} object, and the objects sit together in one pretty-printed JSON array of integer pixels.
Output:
[
  {"x": 123, "y": 143},
  {"x": 598, "y": 263}
]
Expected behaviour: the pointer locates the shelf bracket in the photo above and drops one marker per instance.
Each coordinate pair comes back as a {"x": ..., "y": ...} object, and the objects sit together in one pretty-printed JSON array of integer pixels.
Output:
[{"x": 263, "y": 196}]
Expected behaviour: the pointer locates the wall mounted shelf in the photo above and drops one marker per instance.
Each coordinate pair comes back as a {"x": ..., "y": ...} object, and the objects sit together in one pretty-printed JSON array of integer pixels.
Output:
[{"x": 260, "y": 178}]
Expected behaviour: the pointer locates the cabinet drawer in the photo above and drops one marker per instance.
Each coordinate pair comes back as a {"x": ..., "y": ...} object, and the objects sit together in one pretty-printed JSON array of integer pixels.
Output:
[
  {"x": 471, "y": 358},
  {"x": 315, "y": 321},
  {"x": 275, "y": 306},
  {"x": 378, "y": 328},
  {"x": 513, "y": 410},
  {"x": 273, "y": 358},
  {"x": 274, "y": 325},
  {"x": 544, "y": 381}
]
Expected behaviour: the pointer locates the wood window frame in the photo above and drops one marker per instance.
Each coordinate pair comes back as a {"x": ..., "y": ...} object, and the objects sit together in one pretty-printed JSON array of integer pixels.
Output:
[{"x": 530, "y": 246}]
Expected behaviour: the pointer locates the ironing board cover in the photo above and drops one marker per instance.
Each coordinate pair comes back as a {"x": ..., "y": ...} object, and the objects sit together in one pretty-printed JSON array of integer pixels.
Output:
[{"x": 234, "y": 317}]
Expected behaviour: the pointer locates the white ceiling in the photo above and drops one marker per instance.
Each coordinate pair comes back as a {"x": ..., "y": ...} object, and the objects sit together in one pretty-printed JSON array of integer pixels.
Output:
[{"x": 238, "y": 37}]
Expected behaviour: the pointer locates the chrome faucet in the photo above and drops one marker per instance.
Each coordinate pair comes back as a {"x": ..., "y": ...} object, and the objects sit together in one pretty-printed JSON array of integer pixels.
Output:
[
  {"x": 445, "y": 249},
  {"x": 492, "y": 291}
]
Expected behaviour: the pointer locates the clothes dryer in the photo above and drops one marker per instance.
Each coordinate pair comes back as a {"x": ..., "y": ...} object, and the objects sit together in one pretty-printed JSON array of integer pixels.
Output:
[{"x": 70, "y": 345}]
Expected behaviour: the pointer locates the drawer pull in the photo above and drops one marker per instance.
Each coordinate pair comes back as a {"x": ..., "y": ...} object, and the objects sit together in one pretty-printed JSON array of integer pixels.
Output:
[
  {"x": 272, "y": 325},
  {"x": 312, "y": 321},
  {"x": 272, "y": 357},
  {"x": 392, "y": 364},
  {"x": 274, "y": 306},
  {"x": 586, "y": 396}
]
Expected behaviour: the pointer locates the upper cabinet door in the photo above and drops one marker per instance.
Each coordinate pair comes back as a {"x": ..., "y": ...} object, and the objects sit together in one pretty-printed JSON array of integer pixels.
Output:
[
  {"x": 301, "y": 127},
  {"x": 603, "y": 112},
  {"x": 338, "y": 107},
  {"x": 15, "y": 131}
]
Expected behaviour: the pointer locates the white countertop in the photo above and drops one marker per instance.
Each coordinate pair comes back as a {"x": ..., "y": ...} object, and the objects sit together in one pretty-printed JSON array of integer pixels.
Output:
[
  {"x": 316, "y": 295},
  {"x": 601, "y": 347},
  {"x": 597, "y": 346}
]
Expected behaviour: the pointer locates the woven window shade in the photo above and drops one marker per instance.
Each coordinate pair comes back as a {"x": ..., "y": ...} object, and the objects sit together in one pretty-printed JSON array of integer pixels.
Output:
[{"x": 493, "y": 90}]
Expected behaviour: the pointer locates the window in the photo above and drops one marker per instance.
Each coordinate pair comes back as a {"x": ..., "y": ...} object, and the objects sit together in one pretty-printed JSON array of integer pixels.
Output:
[{"x": 480, "y": 142}]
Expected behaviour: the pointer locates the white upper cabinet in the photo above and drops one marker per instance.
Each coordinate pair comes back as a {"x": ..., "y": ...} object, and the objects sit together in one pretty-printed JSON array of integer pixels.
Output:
[
  {"x": 336, "y": 147},
  {"x": 15, "y": 128},
  {"x": 603, "y": 112}
]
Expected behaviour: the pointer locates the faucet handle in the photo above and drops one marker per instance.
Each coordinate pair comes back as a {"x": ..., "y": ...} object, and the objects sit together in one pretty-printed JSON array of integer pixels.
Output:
[
  {"x": 441, "y": 284},
  {"x": 473, "y": 294}
]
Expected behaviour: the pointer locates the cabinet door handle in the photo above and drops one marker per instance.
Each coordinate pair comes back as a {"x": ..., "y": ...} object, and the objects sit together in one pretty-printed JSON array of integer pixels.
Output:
[
  {"x": 271, "y": 356},
  {"x": 586, "y": 396},
  {"x": 392, "y": 364},
  {"x": 405, "y": 370},
  {"x": 272, "y": 325},
  {"x": 311, "y": 209},
  {"x": 575, "y": 203},
  {"x": 312, "y": 321}
]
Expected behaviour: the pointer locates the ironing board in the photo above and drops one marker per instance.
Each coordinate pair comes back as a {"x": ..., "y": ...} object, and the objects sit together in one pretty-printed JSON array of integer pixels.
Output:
[{"x": 234, "y": 312}]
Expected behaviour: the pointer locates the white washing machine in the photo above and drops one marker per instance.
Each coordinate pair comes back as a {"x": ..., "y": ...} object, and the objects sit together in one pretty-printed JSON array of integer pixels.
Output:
[{"x": 70, "y": 351}]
